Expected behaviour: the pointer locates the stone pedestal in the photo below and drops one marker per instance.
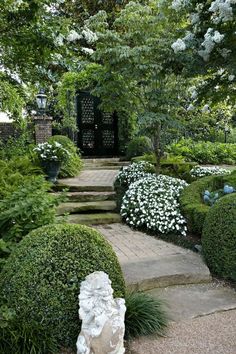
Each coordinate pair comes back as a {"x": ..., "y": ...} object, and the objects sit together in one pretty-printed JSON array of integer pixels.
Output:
[
  {"x": 102, "y": 330},
  {"x": 43, "y": 128}
]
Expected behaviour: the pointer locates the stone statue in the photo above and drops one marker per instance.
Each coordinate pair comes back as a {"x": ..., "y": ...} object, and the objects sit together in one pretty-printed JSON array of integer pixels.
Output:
[{"x": 102, "y": 330}]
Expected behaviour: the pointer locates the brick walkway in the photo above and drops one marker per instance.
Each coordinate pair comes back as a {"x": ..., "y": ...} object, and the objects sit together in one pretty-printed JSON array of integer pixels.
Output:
[
  {"x": 131, "y": 245},
  {"x": 148, "y": 262}
]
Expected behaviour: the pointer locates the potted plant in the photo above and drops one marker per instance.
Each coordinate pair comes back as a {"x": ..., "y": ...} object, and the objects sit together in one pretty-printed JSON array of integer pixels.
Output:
[{"x": 51, "y": 156}]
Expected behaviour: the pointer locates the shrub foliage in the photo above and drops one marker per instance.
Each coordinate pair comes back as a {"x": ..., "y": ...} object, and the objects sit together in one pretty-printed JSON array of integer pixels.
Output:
[
  {"x": 219, "y": 237},
  {"x": 138, "y": 146},
  {"x": 205, "y": 152},
  {"x": 41, "y": 279},
  {"x": 191, "y": 201}
]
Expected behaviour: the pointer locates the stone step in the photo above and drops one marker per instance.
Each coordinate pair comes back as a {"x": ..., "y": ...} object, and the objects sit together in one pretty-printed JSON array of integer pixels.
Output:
[
  {"x": 101, "y": 160},
  {"x": 190, "y": 301},
  {"x": 101, "y": 167},
  {"x": 169, "y": 270},
  {"x": 93, "y": 219},
  {"x": 82, "y": 188},
  {"x": 89, "y": 196},
  {"x": 77, "y": 207}
]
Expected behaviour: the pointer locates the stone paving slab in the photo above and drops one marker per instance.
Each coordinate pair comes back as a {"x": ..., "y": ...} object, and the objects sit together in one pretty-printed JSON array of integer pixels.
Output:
[
  {"x": 91, "y": 178},
  {"x": 148, "y": 263},
  {"x": 190, "y": 301},
  {"x": 213, "y": 334}
]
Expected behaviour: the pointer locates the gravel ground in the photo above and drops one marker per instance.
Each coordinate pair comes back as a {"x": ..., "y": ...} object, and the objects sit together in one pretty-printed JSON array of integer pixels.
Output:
[{"x": 212, "y": 334}]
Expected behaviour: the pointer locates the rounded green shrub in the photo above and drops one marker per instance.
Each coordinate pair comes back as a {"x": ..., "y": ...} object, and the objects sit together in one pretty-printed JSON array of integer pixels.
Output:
[
  {"x": 191, "y": 201},
  {"x": 138, "y": 146},
  {"x": 73, "y": 165},
  {"x": 219, "y": 237},
  {"x": 41, "y": 279}
]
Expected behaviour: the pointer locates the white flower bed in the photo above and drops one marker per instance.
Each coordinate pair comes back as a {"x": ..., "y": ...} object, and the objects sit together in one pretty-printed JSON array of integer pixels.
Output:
[
  {"x": 152, "y": 202},
  {"x": 134, "y": 172},
  {"x": 199, "y": 171}
]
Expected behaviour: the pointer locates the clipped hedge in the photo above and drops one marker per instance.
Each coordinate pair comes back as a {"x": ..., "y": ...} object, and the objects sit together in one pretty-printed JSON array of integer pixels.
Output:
[
  {"x": 41, "y": 279},
  {"x": 191, "y": 203},
  {"x": 219, "y": 237},
  {"x": 73, "y": 165}
]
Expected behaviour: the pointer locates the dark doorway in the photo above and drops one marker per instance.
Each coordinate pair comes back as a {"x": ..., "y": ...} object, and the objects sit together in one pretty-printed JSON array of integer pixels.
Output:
[{"x": 97, "y": 134}]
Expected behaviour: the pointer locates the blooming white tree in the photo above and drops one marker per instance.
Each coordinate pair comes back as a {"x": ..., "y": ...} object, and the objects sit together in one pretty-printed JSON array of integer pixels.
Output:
[{"x": 212, "y": 44}]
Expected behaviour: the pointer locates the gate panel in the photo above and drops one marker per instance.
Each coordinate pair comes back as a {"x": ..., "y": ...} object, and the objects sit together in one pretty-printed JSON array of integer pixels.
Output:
[{"x": 97, "y": 130}]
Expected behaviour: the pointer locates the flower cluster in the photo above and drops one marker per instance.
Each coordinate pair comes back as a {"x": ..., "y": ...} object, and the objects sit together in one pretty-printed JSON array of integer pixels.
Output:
[
  {"x": 210, "y": 39},
  {"x": 89, "y": 35},
  {"x": 178, "y": 46},
  {"x": 199, "y": 171},
  {"x": 73, "y": 36},
  {"x": 152, "y": 202},
  {"x": 134, "y": 172},
  {"x": 51, "y": 152},
  {"x": 222, "y": 10},
  {"x": 179, "y": 4}
]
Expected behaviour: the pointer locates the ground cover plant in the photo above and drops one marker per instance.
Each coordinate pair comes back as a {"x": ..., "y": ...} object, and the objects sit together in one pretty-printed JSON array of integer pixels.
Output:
[
  {"x": 40, "y": 280},
  {"x": 218, "y": 237},
  {"x": 152, "y": 202},
  {"x": 171, "y": 165},
  {"x": 128, "y": 175},
  {"x": 25, "y": 203},
  {"x": 13, "y": 172},
  {"x": 204, "y": 152},
  {"x": 28, "y": 207},
  {"x": 200, "y": 171}
]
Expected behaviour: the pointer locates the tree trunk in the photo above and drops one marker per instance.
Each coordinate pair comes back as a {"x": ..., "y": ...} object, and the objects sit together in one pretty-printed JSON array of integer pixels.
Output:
[{"x": 157, "y": 148}]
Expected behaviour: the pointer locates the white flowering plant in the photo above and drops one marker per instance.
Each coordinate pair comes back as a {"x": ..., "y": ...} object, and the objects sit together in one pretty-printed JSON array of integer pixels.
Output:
[
  {"x": 152, "y": 202},
  {"x": 134, "y": 172},
  {"x": 51, "y": 152},
  {"x": 202, "y": 171}
]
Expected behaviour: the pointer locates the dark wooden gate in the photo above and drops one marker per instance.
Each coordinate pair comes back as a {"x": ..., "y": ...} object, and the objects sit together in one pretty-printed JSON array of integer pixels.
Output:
[{"x": 97, "y": 134}]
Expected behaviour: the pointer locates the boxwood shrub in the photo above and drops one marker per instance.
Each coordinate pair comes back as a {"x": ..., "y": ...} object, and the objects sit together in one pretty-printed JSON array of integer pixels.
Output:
[
  {"x": 219, "y": 237},
  {"x": 138, "y": 146},
  {"x": 191, "y": 202},
  {"x": 41, "y": 278}
]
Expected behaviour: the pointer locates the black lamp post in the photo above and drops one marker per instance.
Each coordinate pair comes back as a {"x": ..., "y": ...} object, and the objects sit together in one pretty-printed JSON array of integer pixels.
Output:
[
  {"x": 226, "y": 131},
  {"x": 41, "y": 100}
]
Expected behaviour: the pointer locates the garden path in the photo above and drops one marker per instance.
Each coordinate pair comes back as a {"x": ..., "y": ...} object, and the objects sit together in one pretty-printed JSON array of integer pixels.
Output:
[{"x": 175, "y": 274}]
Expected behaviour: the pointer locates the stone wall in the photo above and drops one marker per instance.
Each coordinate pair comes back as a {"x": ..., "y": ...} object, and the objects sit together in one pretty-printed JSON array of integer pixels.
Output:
[
  {"x": 42, "y": 129},
  {"x": 7, "y": 130}
]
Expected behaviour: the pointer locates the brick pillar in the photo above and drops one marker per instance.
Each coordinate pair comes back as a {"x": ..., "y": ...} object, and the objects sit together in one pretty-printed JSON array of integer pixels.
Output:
[{"x": 43, "y": 128}]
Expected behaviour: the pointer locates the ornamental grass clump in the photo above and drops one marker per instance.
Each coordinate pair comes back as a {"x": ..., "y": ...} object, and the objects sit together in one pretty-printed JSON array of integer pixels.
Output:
[
  {"x": 200, "y": 171},
  {"x": 144, "y": 315},
  {"x": 152, "y": 202}
]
